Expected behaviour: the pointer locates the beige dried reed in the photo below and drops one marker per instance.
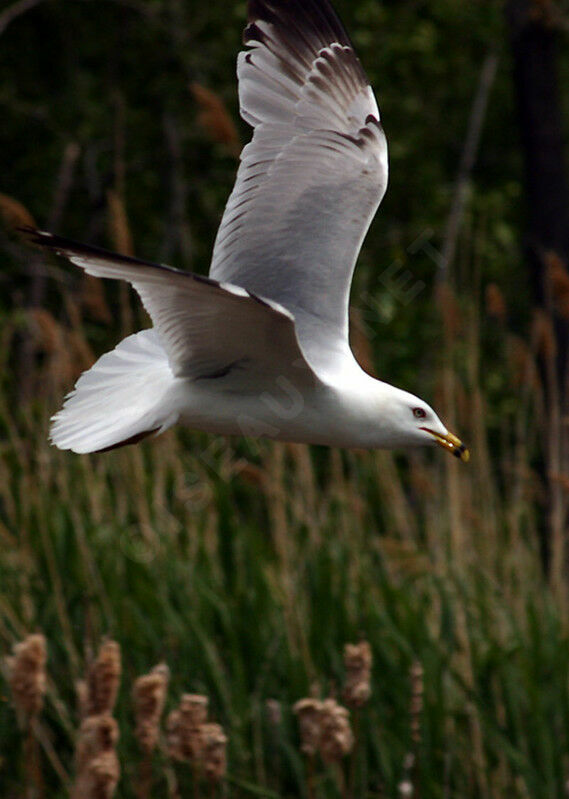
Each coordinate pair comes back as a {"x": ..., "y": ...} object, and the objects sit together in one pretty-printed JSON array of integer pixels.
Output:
[
  {"x": 26, "y": 676},
  {"x": 97, "y": 765},
  {"x": 358, "y": 662},
  {"x": 183, "y": 728},
  {"x": 215, "y": 119},
  {"x": 103, "y": 680},
  {"x": 324, "y": 728},
  {"x": 213, "y": 752},
  {"x": 191, "y": 738},
  {"x": 336, "y": 737},
  {"x": 149, "y": 696},
  {"x": 308, "y": 711},
  {"x": 27, "y": 679}
]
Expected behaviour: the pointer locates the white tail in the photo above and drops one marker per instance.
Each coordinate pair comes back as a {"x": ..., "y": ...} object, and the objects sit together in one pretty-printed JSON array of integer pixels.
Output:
[{"x": 119, "y": 400}]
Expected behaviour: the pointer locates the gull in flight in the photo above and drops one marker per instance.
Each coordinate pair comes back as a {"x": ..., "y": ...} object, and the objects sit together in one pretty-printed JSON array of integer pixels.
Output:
[{"x": 260, "y": 347}]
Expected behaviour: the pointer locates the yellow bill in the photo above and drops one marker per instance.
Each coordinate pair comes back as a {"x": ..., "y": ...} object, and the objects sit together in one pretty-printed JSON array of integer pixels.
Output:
[{"x": 451, "y": 443}]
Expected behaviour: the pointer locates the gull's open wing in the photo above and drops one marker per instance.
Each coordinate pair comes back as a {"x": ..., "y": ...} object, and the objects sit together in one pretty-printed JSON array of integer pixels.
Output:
[
  {"x": 312, "y": 177},
  {"x": 207, "y": 329}
]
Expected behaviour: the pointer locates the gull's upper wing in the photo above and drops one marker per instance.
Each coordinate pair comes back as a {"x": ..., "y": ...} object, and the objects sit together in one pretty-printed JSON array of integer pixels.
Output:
[{"x": 312, "y": 177}]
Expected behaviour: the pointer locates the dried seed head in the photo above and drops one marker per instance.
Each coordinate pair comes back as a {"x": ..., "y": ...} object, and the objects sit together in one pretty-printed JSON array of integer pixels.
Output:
[
  {"x": 358, "y": 661},
  {"x": 82, "y": 694},
  {"x": 97, "y": 734},
  {"x": 99, "y": 779},
  {"x": 182, "y": 727},
  {"x": 26, "y": 675},
  {"x": 308, "y": 712},
  {"x": 97, "y": 763},
  {"x": 543, "y": 334},
  {"x": 336, "y": 738},
  {"x": 274, "y": 712},
  {"x": 417, "y": 689},
  {"x": 103, "y": 680},
  {"x": 495, "y": 302},
  {"x": 149, "y": 694},
  {"x": 176, "y": 748},
  {"x": 213, "y": 752},
  {"x": 215, "y": 119}
]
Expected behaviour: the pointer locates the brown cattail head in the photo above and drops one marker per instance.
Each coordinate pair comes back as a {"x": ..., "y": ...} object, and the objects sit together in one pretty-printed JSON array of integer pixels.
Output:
[
  {"x": 103, "y": 680},
  {"x": 149, "y": 694},
  {"x": 308, "y": 712},
  {"x": 543, "y": 334},
  {"x": 495, "y": 302},
  {"x": 99, "y": 779},
  {"x": 26, "y": 675},
  {"x": 13, "y": 214},
  {"x": 215, "y": 119},
  {"x": 98, "y": 767},
  {"x": 559, "y": 282},
  {"x": 183, "y": 728},
  {"x": 213, "y": 752},
  {"x": 97, "y": 734},
  {"x": 358, "y": 661},
  {"x": 336, "y": 737},
  {"x": 417, "y": 689}
]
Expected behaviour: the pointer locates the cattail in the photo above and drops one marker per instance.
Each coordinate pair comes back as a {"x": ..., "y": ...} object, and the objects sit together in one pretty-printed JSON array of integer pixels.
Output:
[
  {"x": 336, "y": 737},
  {"x": 495, "y": 302},
  {"x": 97, "y": 734},
  {"x": 274, "y": 712},
  {"x": 215, "y": 119},
  {"x": 149, "y": 694},
  {"x": 309, "y": 712},
  {"x": 358, "y": 661},
  {"x": 97, "y": 763},
  {"x": 559, "y": 282},
  {"x": 103, "y": 680},
  {"x": 183, "y": 728},
  {"x": 213, "y": 752},
  {"x": 13, "y": 214},
  {"x": 544, "y": 335},
  {"x": 98, "y": 768},
  {"x": 417, "y": 689},
  {"x": 26, "y": 675}
]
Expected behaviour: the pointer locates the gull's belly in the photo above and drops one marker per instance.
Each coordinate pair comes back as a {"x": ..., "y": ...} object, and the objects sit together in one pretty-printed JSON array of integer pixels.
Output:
[{"x": 277, "y": 410}]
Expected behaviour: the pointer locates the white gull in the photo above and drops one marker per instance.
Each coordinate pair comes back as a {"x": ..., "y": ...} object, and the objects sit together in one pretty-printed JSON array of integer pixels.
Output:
[{"x": 260, "y": 347}]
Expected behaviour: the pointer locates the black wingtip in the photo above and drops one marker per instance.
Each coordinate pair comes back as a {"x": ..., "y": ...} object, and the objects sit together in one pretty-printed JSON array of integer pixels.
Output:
[
  {"x": 34, "y": 236},
  {"x": 300, "y": 24}
]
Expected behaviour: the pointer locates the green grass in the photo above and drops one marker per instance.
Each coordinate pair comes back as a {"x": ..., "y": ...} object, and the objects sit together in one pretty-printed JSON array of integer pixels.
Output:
[{"x": 247, "y": 566}]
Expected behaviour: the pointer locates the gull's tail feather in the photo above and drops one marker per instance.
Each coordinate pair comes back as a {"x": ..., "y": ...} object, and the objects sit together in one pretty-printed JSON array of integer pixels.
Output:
[{"x": 120, "y": 400}]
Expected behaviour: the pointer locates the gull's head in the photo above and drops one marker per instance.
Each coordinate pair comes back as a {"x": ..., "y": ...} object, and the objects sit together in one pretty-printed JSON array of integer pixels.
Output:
[{"x": 417, "y": 424}]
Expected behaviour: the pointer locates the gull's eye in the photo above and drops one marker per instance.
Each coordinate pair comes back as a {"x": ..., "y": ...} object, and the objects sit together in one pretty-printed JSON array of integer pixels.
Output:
[{"x": 419, "y": 413}]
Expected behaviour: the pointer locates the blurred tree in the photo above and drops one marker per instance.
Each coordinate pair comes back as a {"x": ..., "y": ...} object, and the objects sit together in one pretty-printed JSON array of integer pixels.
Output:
[{"x": 534, "y": 37}]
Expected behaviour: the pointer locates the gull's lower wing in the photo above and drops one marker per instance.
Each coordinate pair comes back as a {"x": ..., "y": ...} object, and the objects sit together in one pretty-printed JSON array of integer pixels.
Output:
[
  {"x": 205, "y": 327},
  {"x": 313, "y": 175}
]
